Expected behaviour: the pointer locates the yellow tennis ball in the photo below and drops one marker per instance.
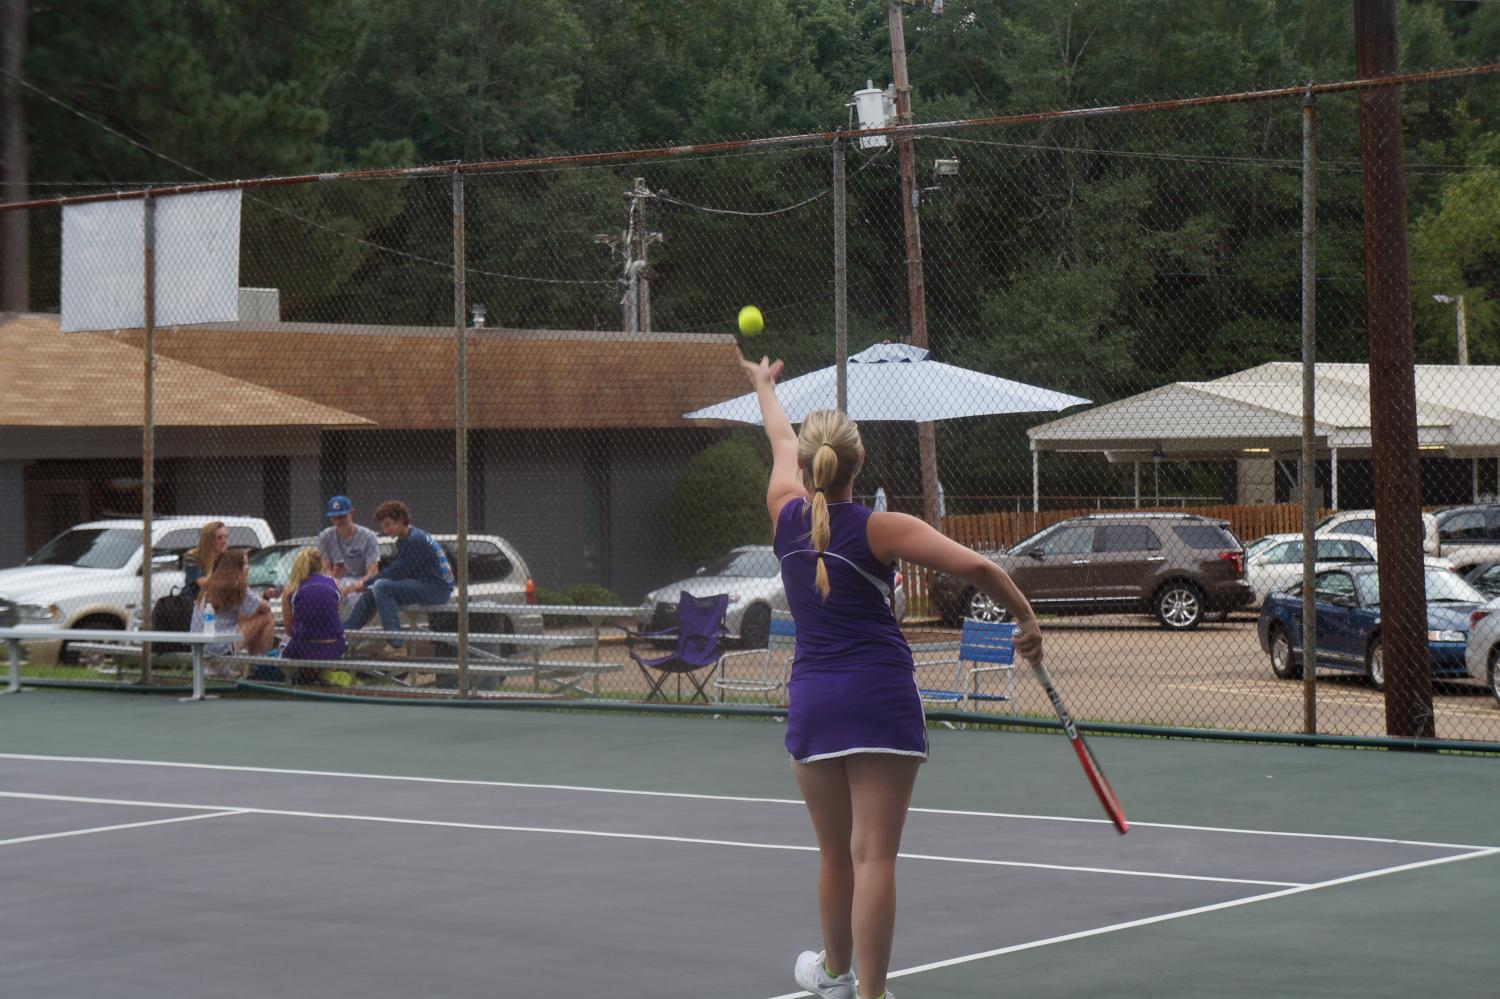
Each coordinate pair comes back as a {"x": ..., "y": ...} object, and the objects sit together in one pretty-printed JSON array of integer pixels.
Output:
[{"x": 751, "y": 321}]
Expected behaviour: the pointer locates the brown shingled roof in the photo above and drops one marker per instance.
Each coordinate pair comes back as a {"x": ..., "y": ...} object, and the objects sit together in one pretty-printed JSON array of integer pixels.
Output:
[
  {"x": 50, "y": 379},
  {"x": 402, "y": 377}
]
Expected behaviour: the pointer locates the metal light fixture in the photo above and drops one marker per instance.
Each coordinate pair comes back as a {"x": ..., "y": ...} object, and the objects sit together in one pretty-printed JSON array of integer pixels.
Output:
[{"x": 477, "y": 311}]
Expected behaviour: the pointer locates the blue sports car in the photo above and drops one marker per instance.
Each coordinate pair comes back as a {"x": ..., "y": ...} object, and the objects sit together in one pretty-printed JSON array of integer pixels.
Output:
[{"x": 1347, "y": 622}]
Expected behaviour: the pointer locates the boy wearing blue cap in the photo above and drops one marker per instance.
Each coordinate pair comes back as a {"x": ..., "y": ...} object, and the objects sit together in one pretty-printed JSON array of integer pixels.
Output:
[{"x": 351, "y": 552}]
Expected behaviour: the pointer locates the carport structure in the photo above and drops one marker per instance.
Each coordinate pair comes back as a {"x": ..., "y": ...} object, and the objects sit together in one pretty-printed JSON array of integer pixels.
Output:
[{"x": 1257, "y": 413}]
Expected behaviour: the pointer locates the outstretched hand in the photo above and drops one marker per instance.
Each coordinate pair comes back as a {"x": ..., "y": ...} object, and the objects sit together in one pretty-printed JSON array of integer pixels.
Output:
[{"x": 763, "y": 373}]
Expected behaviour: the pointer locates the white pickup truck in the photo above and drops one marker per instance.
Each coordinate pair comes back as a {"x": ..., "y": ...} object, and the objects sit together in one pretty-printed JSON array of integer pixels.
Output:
[{"x": 90, "y": 575}]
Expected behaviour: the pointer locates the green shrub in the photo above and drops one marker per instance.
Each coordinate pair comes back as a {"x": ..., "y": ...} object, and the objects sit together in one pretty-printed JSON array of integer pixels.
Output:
[
  {"x": 579, "y": 594},
  {"x": 720, "y": 502}
]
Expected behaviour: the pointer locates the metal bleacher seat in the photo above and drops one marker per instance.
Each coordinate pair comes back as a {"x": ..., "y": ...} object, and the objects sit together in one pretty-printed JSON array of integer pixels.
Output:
[{"x": 768, "y": 669}]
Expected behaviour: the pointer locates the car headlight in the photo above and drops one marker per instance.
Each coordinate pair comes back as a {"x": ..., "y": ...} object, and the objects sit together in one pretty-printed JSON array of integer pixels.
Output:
[
  {"x": 38, "y": 614},
  {"x": 1446, "y": 636}
]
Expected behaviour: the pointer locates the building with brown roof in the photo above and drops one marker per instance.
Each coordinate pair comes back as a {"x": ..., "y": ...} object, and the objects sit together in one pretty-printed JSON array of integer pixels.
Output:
[{"x": 576, "y": 438}]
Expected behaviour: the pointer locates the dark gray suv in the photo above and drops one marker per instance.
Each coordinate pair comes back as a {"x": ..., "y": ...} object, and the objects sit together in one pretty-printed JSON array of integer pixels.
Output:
[{"x": 1178, "y": 567}]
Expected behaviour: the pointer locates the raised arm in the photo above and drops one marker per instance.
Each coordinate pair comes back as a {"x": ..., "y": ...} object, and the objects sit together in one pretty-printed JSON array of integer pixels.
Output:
[
  {"x": 898, "y": 535},
  {"x": 786, "y": 481}
]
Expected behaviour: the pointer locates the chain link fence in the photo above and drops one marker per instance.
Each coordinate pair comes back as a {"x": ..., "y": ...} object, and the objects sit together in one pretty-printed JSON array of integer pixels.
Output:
[{"x": 511, "y": 351}]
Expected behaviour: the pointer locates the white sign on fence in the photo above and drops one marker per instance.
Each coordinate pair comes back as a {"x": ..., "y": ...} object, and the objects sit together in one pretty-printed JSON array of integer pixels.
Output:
[{"x": 197, "y": 262}]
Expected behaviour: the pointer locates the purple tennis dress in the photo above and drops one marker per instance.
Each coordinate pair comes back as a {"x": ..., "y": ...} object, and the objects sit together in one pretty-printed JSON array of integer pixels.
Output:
[{"x": 853, "y": 687}]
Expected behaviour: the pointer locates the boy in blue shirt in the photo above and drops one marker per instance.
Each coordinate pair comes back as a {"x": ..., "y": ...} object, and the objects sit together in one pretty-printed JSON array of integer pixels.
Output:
[{"x": 419, "y": 574}]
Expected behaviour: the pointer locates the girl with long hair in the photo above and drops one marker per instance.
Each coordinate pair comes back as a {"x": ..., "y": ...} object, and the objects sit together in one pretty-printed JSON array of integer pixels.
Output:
[
  {"x": 310, "y": 610},
  {"x": 855, "y": 728},
  {"x": 236, "y": 609},
  {"x": 213, "y": 541}
]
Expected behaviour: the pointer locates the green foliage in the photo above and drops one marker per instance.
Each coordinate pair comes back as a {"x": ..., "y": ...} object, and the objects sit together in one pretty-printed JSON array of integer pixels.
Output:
[{"x": 720, "y": 501}]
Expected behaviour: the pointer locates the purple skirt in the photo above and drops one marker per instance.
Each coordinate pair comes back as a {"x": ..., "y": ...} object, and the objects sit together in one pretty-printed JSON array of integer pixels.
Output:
[{"x": 840, "y": 712}]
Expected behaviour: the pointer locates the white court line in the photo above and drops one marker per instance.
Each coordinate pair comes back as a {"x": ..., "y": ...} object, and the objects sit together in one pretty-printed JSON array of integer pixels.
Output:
[
  {"x": 712, "y": 797},
  {"x": 1164, "y": 917},
  {"x": 125, "y": 825},
  {"x": 601, "y": 834}
]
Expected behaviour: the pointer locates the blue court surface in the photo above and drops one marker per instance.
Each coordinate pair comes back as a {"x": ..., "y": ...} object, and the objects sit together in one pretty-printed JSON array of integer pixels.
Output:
[{"x": 205, "y": 865}]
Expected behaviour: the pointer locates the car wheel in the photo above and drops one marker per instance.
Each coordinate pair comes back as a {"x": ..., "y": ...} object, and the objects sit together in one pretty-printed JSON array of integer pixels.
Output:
[
  {"x": 1494, "y": 672},
  {"x": 1283, "y": 664},
  {"x": 755, "y": 626},
  {"x": 98, "y": 660},
  {"x": 1179, "y": 606},
  {"x": 1375, "y": 665},
  {"x": 982, "y": 607}
]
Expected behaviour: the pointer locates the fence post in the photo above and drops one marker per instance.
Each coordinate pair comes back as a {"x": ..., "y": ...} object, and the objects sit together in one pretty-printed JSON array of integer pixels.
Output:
[
  {"x": 148, "y": 423},
  {"x": 840, "y": 276},
  {"x": 461, "y": 430},
  {"x": 1309, "y": 401}
]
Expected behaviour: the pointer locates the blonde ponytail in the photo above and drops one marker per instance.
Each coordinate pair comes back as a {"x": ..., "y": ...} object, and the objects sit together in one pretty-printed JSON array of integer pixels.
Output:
[
  {"x": 830, "y": 452},
  {"x": 825, "y": 470}
]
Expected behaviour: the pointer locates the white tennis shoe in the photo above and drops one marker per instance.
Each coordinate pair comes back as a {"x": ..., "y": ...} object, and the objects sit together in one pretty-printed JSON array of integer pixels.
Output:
[{"x": 813, "y": 976}]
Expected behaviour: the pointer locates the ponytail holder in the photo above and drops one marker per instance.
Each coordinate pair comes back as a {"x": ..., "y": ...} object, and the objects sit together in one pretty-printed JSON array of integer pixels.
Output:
[{"x": 819, "y": 489}]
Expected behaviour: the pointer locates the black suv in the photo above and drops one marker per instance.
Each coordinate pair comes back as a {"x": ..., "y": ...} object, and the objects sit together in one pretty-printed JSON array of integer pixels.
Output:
[{"x": 1178, "y": 567}]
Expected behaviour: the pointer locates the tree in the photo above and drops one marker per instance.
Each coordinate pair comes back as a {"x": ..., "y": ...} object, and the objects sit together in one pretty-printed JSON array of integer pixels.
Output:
[{"x": 720, "y": 501}]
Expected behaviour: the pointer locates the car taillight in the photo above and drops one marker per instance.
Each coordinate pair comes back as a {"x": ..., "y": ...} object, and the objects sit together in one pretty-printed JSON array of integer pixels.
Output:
[
  {"x": 531, "y": 591},
  {"x": 1236, "y": 559},
  {"x": 1477, "y": 616},
  {"x": 898, "y": 580}
]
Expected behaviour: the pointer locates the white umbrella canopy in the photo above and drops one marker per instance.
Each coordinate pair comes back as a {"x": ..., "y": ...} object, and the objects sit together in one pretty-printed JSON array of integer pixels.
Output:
[{"x": 899, "y": 383}]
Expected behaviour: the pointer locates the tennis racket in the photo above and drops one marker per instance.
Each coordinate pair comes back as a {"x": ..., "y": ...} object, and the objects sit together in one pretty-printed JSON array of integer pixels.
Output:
[{"x": 1091, "y": 766}]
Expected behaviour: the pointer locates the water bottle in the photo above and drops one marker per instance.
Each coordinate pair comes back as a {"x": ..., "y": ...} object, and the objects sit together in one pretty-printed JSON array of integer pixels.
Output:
[{"x": 209, "y": 618}]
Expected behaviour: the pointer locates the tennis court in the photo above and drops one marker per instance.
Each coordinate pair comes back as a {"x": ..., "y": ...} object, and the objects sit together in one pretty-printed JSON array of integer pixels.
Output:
[{"x": 258, "y": 847}]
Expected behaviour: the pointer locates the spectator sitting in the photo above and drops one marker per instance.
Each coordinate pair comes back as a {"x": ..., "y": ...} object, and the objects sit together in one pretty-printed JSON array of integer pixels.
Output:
[
  {"x": 351, "y": 553},
  {"x": 213, "y": 541},
  {"x": 418, "y": 575},
  {"x": 236, "y": 609},
  {"x": 310, "y": 611}
]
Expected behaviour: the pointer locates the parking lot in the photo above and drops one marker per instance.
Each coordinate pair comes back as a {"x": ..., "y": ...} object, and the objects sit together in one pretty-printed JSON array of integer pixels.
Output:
[{"x": 1128, "y": 669}]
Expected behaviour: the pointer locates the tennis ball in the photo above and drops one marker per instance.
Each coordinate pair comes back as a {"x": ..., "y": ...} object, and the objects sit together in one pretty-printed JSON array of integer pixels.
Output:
[{"x": 751, "y": 321}]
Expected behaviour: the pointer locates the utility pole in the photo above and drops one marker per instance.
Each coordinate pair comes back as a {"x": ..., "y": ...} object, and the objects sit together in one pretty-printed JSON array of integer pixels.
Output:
[
  {"x": 639, "y": 238},
  {"x": 1457, "y": 301},
  {"x": 1393, "y": 424},
  {"x": 916, "y": 291}
]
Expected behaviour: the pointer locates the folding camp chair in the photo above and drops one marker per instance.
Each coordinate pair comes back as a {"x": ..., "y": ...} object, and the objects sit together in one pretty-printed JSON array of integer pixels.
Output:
[
  {"x": 981, "y": 642},
  {"x": 698, "y": 638},
  {"x": 768, "y": 667}
]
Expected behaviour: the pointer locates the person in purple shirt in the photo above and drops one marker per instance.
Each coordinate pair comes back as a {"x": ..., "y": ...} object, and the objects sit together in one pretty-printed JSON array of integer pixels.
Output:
[
  {"x": 855, "y": 728},
  {"x": 419, "y": 574},
  {"x": 310, "y": 610}
]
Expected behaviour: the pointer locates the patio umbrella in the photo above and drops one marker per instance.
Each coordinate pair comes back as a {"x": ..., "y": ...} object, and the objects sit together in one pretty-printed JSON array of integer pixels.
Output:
[{"x": 899, "y": 383}]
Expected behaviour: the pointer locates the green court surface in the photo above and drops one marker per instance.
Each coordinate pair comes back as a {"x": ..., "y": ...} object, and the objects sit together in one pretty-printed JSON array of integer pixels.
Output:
[{"x": 1411, "y": 927}]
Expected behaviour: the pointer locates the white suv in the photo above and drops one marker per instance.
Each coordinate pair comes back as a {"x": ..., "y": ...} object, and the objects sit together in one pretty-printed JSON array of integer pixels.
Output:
[
  {"x": 1362, "y": 522},
  {"x": 90, "y": 575}
]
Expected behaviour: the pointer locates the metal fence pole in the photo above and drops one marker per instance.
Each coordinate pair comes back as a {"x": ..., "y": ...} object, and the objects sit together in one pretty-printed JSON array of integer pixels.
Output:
[
  {"x": 148, "y": 423},
  {"x": 461, "y": 429},
  {"x": 1309, "y": 402},
  {"x": 1393, "y": 423},
  {"x": 840, "y": 275}
]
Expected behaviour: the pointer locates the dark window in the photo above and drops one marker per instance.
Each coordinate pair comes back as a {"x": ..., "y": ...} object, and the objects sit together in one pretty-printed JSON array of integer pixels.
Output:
[
  {"x": 1332, "y": 585},
  {"x": 1283, "y": 554},
  {"x": 177, "y": 541},
  {"x": 487, "y": 563},
  {"x": 1364, "y": 527},
  {"x": 1073, "y": 540},
  {"x": 1493, "y": 525},
  {"x": 1126, "y": 538},
  {"x": 1342, "y": 551},
  {"x": 1488, "y": 581},
  {"x": 90, "y": 548},
  {"x": 1206, "y": 536},
  {"x": 1465, "y": 526},
  {"x": 242, "y": 537}
]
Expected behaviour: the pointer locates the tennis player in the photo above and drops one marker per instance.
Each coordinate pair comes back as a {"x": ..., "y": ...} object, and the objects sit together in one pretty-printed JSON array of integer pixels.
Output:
[{"x": 855, "y": 727}]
